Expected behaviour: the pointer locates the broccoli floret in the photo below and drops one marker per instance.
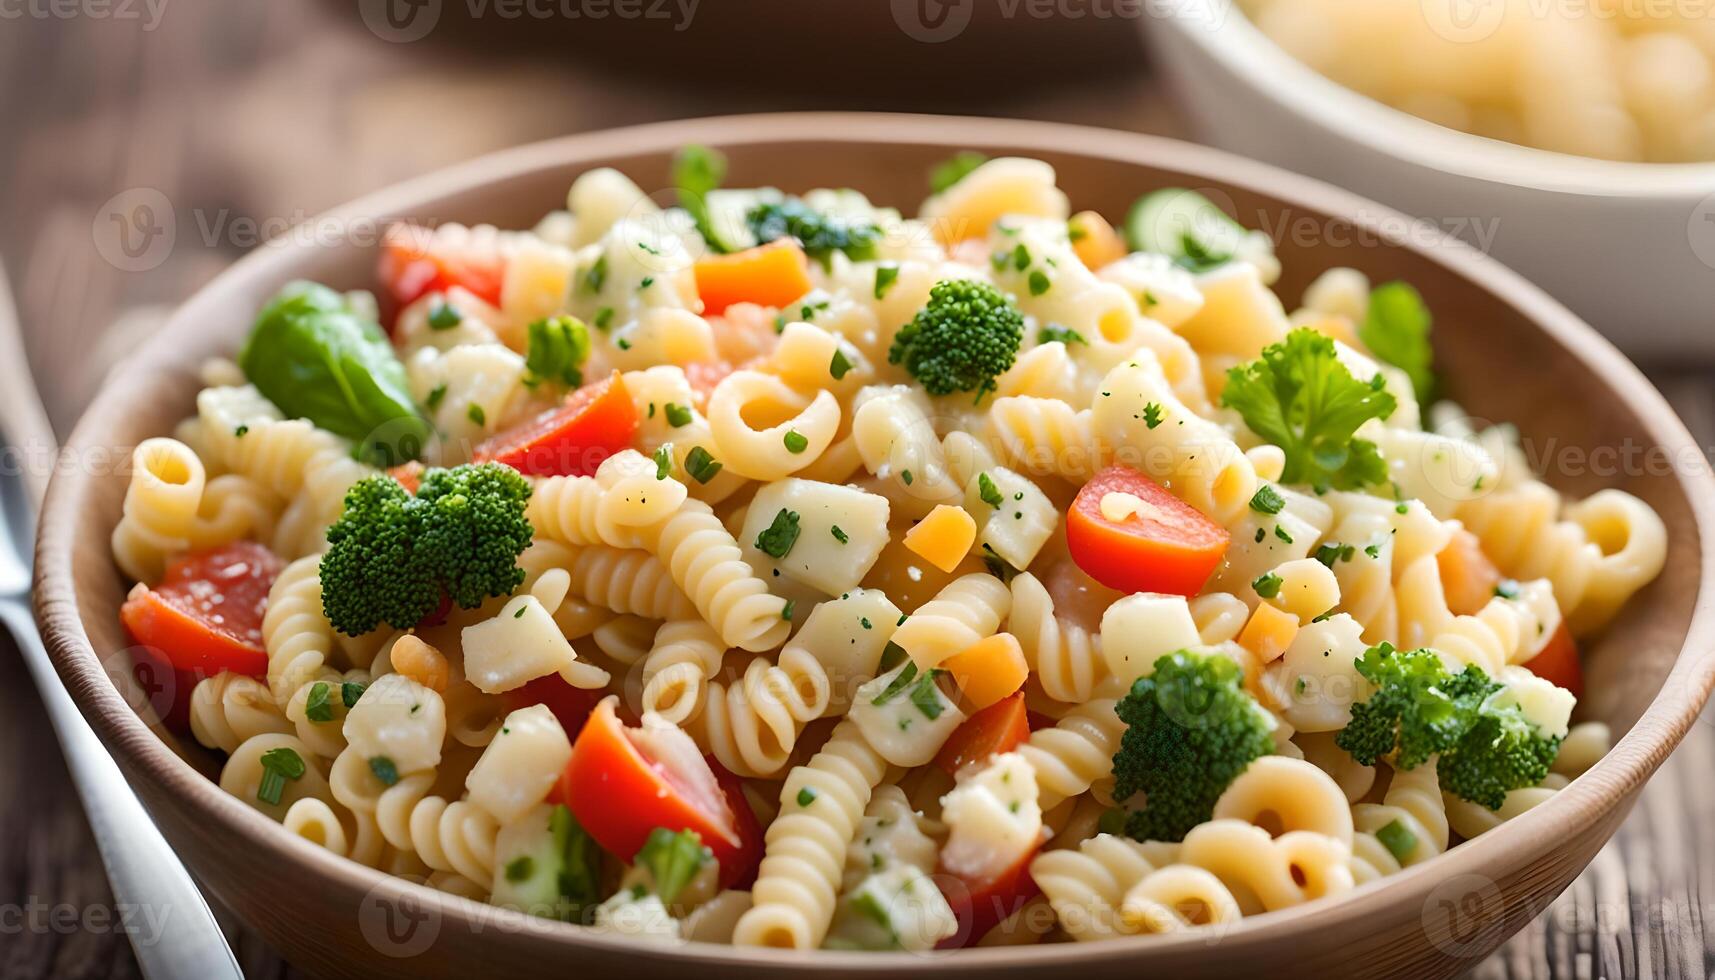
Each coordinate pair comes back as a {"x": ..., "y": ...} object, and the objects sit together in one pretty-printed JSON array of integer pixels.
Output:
[
  {"x": 820, "y": 234},
  {"x": 1190, "y": 730},
  {"x": 966, "y": 336},
  {"x": 394, "y": 558},
  {"x": 1420, "y": 710}
]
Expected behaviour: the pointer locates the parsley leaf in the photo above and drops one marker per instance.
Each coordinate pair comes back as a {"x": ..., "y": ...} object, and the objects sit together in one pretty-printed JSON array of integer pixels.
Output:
[{"x": 1299, "y": 397}]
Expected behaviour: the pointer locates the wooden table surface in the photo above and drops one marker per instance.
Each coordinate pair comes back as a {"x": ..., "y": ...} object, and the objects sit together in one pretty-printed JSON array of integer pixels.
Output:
[{"x": 246, "y": 117}]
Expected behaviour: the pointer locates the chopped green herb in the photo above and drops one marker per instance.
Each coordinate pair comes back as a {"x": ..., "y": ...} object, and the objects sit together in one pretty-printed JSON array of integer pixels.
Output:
[
  {"x": 839, "y": 365},
  {"x": 318, "y": 706},
  {"x": 520, "y": 613},
  {"x": 807, "y": 796},
  {"x": 349, "y": 692},
  {"x": 778, "y": 538},
  {"x": 906, "y": 476},
  {"x": 1280, "y": 532},
  {"x": 1064, "y": 335},
  {"x": 1267, "y": 585},
  {"x": 700, "y": 465},
  {"x": 672, "y": 860},
  {"x": 384, "y": 770},
  {"x": 838, "y": 534},
  {"x": 520, "y": 868},
  {"x": 1334, "y": 551},
  {"x": 604, "y": 318},
  {"x": 786, "y": 610},
  {"x": 886, "y": 274},
  {"x": 596, "y": 276},
  {"x": 1396, "y": 329},
  {"x": 795, "y": 442},
  {"x": 989, "y": 493},
  {"x": 474, "y": 412},
  {"x": 1152, "y": 415},
  {"x": 444, "y": 317},
  {"x": 1267, "y": 500},
  {"x": 244, "y": 430},
  {"x": 678, "y": 416},
  {"x": 664, "y": 461},
  {"x": 1039, "y": 282},
  {"x": 899, "y": 683},
  {"x": 1021, "y": 257},
  {"x": 622, "y": 343},
  {"x": 1398, "y": 839},
  {"x": 926, "y": 696},
  {"x": 278, "y": 766}
]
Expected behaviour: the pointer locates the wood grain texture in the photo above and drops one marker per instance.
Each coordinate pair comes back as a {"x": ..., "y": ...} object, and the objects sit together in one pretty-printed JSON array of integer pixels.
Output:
[{"x": 270, "y": 111}]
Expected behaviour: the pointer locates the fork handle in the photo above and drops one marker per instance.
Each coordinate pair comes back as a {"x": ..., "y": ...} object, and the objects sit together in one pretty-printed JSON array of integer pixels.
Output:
[{"x": 177, "y": 935}]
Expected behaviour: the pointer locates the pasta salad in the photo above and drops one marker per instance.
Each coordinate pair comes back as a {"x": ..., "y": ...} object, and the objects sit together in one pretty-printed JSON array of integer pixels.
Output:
[{"x": 777, "y": 570}]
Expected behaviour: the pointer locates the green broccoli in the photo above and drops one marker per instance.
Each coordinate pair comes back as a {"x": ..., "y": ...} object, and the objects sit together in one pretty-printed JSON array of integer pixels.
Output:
[
  {"x": 1420, "y": 711},
  {"x": 821, "y": 234},
  {"x": 966, "y": 336},
  {"x": 1190, "y": 730},
  {"x": 395, "y": 558}
]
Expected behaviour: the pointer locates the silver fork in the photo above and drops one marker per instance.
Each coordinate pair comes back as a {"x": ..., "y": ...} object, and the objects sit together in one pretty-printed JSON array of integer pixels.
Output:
[{"x": 146, "y": 875}]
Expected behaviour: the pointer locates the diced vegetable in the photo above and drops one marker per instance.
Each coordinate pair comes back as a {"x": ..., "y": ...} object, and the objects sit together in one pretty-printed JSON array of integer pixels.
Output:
[
  {"x": 768, "y": 275},
  {"x": 1165, "y": 546},
  {"x": 204, "y": 617},
  {"x": 1558, "y": 662},
  {"x": 998, "y": 728},
  {"x": 595, "y": 422},
  {"x": 416, "y": 262},
  {"x": 1468, "y": 577},
  {"x": 624, "y": 783},
  {"x": 989, "y": 671},
  {"x": 1269, "y": 632},
  {"x": 944, "y": 538}
]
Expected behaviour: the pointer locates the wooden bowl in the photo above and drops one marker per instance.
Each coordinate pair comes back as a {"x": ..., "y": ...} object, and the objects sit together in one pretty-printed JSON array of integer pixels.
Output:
[{"x": 1508, "y": 351}]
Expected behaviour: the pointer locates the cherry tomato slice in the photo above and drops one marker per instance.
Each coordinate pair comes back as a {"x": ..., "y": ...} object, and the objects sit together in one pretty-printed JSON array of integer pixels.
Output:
[
  {"x": 619, "y": 794},
  {"x": 595, "y": 422},
  {"x": 1168, "y": 546},
  {"x": 995, "y": 729},
  {"x": 204, "y": 617}
]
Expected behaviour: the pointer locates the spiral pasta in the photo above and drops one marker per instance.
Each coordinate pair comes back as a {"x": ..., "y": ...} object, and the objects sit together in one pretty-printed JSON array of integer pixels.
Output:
[
  {"x": 1064, "y": 658},
  {"x": 706, "y": 563},
  {"x": 793, "y": 898}
]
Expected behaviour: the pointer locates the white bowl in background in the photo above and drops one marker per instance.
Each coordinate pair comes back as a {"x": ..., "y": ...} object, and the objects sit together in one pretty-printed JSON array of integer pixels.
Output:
[{"x": 1628, "y": 246}]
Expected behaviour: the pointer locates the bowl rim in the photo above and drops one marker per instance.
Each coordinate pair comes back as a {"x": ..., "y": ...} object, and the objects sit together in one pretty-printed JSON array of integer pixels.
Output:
[
  {"x": 1618, "y": 774},
  {"x": 1226, "y": 35}
]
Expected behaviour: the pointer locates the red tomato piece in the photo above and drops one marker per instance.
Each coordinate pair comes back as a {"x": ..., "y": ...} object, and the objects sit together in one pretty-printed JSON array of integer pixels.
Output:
[
  {"x": 571, "y": 705},
  {"x": 1168, "y": 547},
  {"x": 981, "y": 905},
  {"x": 204, "y": 617},
  {"x": 995, "y": 729},
  {"x": 1558, "y": 663},
  {"x": 415, "y": 261},
  {"x": 619, "y": 794},
  {"x": 595, "y": 422}
]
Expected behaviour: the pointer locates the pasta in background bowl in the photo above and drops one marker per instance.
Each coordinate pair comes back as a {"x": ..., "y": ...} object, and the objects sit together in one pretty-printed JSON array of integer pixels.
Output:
[
  {"x": 1641, "y": 270},
  {"x": 916, "y": 490}
]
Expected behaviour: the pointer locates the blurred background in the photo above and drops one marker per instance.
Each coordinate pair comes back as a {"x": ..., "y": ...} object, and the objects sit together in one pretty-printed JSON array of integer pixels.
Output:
[{"x": 232, "y": 121}]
